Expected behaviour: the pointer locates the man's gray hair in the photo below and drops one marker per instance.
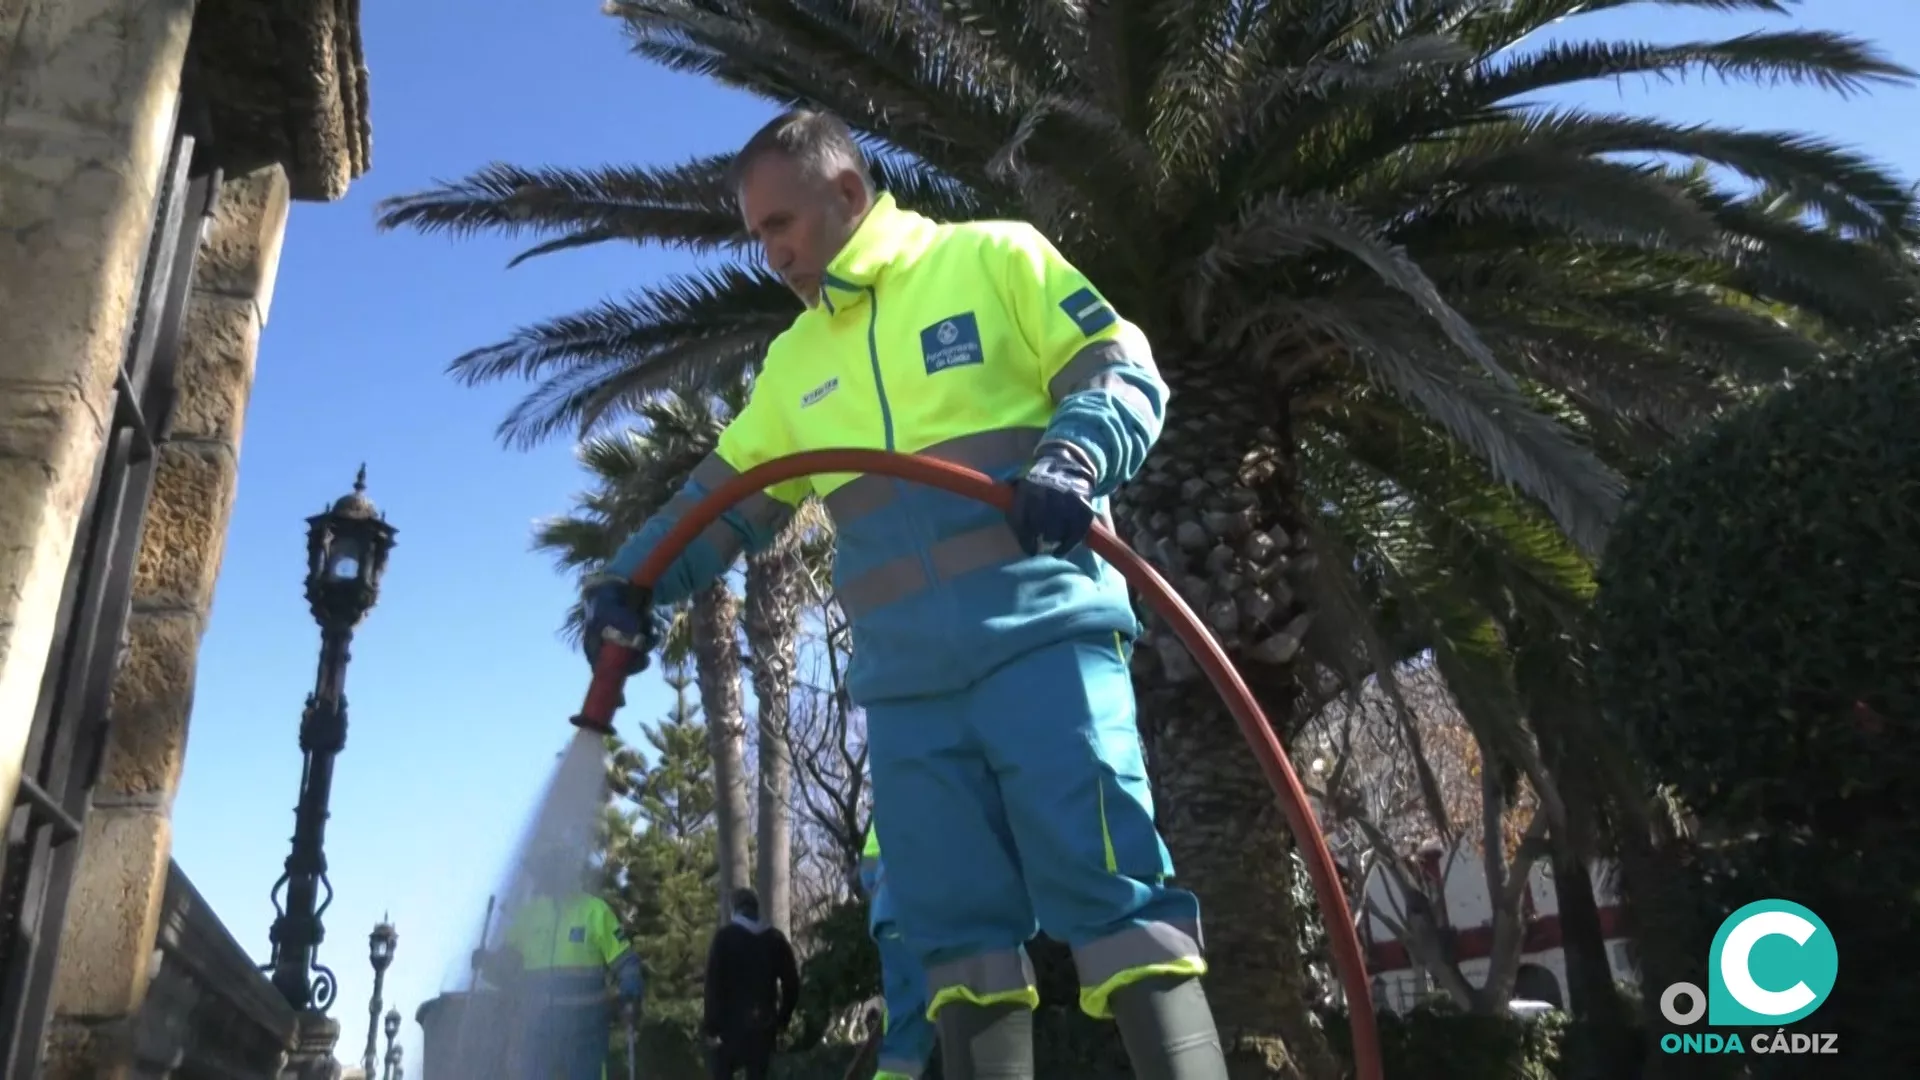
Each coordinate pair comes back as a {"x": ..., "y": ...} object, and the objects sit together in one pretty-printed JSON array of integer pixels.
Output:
[{"x": 820, "y": 142}]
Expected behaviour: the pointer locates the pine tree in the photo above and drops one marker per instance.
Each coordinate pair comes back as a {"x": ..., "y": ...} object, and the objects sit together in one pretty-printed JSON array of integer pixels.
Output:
[{"x": 659, "y": 858}]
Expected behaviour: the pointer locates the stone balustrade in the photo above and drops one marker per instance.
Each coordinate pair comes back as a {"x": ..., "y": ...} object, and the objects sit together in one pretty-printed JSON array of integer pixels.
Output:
[{"x": 209, "y": 1010}]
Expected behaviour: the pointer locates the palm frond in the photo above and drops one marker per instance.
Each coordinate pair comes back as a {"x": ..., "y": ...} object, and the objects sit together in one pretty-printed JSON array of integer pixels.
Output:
[
  {"x": 592, "y": 366},
  {"x": 1833, "y": 62},
  {"x": 931, "y": 88},
  {"x": 1574, "y": 198},
  {"x": 1846, "y": 188},
  {"x": 1499, "y": 426},
  {"x": 1492, "y": 27},
  {"x": 686, "y": 206},
  {"x": 1283, "y": 227}
]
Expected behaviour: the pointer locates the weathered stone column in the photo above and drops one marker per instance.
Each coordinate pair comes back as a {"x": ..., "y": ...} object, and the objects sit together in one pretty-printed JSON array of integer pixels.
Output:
[
  {"x": 108, "y": 939},
  {"x": 87, "y": 93}
]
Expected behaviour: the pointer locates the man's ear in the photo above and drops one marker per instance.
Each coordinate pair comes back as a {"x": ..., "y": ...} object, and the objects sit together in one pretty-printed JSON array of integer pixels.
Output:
[{"x": 853, "y": 192}]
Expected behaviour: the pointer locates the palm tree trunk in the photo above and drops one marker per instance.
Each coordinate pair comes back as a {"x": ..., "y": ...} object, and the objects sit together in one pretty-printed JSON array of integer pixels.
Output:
[
  {"x": 773, "y": 632},
  {"x": 715, "y": 617},
  {"x": 1230, "y": 547},
  {"x": 1664, "y": 918},
  {"x": 1593, "y": 1050}
]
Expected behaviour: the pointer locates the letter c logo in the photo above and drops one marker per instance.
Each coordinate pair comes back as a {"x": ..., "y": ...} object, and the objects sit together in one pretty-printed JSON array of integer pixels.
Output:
[
  {"x": 1736, "y": 963},
  {"x": 1772, "y": 962}
]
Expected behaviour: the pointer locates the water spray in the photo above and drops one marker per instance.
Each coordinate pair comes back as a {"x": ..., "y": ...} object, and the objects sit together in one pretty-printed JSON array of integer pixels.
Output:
[{"x": 610, "y": 667}]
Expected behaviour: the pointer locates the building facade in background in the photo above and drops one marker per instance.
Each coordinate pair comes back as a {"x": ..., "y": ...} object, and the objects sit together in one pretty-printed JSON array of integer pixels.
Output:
[
  {"x": 1399, "y": 981},
  {"x": 148, "y": 153}
]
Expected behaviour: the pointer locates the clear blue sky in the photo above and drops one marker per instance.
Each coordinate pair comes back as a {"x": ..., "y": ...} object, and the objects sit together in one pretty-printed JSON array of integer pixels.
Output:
[{"x": 460, "y": 687}]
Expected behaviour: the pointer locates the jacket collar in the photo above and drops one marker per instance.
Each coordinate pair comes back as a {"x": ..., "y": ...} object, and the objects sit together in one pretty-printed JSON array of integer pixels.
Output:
[{"x": 886, "y": 235}]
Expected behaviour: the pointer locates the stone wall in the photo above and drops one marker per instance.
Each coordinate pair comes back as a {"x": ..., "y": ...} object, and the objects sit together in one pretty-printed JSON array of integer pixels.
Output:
[
  {"x": 287, "y": 84},
  {"x": 112, "y": 917},
  {"x": 87, "y": 91}
]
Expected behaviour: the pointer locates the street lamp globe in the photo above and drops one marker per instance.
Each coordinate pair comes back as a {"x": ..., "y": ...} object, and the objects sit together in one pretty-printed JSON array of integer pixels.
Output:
[
  {"x": 380, "y": 945},
  {"x": 393, "y": 1024},
  {"x": 347, "y": 549}
]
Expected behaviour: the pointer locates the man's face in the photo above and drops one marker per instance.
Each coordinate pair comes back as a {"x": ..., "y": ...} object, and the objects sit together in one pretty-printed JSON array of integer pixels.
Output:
[{"x": 801, "y": 220}]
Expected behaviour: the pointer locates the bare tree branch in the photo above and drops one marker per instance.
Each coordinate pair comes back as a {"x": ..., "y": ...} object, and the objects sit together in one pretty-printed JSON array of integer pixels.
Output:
[{"x": 1395, "y": 765}]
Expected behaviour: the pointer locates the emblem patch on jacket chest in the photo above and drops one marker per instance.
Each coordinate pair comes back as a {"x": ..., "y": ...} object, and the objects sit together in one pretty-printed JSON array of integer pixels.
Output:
[
  {"x": 577, "y": 933},
  {"x": 951, "y": 343}
]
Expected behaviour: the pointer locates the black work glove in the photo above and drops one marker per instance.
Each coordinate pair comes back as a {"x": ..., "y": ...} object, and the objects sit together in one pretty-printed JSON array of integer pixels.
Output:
[
  {"x": 1052, "y": 509},
  {"x": 621, "y": 613}
]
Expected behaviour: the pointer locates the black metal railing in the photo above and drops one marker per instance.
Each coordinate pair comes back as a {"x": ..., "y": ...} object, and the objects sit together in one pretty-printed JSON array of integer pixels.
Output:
[{"x": 69, "y": 734}]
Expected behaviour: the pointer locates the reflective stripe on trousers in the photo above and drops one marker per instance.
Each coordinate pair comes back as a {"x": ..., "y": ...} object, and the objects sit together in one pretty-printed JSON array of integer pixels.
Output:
[
  {"x": 1147, "y": 945},
  {"x": 1117, "y": 961},
  {"x": 1103, "y": 965},
  {"x": 988, "y": 977}
]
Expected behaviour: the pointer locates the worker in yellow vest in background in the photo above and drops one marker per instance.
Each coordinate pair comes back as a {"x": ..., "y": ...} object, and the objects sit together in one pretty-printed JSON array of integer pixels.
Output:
[
  {"x": 559, "y": 949},
  {"x": 906, "y": 1041}
]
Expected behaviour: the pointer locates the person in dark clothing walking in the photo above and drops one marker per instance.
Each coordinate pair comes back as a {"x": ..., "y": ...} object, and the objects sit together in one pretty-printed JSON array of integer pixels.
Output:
[{"x": 753, "y": 985}]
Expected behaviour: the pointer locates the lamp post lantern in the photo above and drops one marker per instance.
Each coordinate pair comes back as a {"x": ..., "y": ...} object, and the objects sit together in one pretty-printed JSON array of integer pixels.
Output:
[
  {"x": 393, "y": 1051},
  {"x": 380, "y": 946},
  {"x": 347, "y": 548}
]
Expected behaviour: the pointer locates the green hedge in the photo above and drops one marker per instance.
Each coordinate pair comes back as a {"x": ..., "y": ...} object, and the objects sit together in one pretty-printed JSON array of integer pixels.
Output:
[
  {"x": 1759, "y": 622},
  {"x": 842, "y": 970},
  {"x": 1759, "y": 611}
]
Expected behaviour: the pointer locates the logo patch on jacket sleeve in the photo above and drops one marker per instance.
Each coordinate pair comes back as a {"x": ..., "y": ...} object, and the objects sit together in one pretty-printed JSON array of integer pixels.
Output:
[
  {"x": 951, "y": 343},
  {"x": 576, "y": 933},
  {"x": 1088, "y": 312}
]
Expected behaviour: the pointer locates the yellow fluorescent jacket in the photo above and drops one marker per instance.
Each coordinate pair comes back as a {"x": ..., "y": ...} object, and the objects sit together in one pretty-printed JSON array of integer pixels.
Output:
[
  {"x": 972, "y": 343},
  {"x": 573, "y": 943}
]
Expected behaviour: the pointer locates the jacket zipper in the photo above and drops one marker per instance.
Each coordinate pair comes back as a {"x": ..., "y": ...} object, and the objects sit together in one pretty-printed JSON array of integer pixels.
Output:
[
  {"x": 902, "y": 491},
  {"x": 873, "y": 355}
]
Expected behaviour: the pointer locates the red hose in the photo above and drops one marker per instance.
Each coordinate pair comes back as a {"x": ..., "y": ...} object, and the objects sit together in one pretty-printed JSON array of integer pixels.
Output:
[{"x": 609, "y": 673}]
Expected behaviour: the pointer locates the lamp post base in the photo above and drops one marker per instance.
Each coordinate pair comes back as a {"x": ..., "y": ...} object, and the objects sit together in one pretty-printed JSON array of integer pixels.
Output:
[{"x": 313, "y": 1043}]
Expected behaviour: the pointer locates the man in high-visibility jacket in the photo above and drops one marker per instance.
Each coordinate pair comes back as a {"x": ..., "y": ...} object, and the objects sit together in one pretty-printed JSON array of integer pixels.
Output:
[
  {"x": 990, "y": 653},
  {"x": 558, "y": 950},
  {"x": 906, "y": 1040}
]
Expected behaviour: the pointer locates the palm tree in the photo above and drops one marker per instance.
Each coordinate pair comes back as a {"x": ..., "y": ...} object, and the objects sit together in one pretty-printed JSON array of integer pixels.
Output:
[
  {"x": 1367, "y": 262},
  {"x": 635, "y": 476},
  {"x": 776, "y": 596}
]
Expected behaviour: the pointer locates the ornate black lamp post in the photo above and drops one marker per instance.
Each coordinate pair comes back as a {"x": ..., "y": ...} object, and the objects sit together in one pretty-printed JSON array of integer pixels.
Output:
[
  {"x": 394, "y": 1071},
  {"x": 380, "y": 946},
  {"x": 347, "y": 549},
  {"x": 393, "y": 1052}
]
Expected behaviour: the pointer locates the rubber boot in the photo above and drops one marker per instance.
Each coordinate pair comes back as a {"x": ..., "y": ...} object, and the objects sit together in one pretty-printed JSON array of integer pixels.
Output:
[
  {"x": 985, "y": 1042},
  {"x": 1168, "y": 1030}
]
